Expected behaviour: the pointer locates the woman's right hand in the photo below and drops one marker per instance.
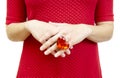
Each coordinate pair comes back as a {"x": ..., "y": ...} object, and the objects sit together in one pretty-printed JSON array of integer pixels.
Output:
[{"x": 41, "y": 31}]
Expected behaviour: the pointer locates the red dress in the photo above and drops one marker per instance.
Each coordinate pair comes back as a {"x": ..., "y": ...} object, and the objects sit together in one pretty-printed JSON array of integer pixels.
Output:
[{"x": 84, "y": 59}]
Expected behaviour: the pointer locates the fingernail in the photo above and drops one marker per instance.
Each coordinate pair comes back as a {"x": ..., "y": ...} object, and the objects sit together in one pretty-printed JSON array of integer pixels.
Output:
[
  {"x": 56, "y": 55},
  {"x": 41, "y": 48},
  {"x": 46, "y": 53},
  {"x": 63, "y": 55},
  {"x": 71, "y": 47}
]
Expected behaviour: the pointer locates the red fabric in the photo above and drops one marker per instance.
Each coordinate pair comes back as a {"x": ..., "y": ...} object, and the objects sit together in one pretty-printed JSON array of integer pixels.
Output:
[{"x": 84, "y": 60}]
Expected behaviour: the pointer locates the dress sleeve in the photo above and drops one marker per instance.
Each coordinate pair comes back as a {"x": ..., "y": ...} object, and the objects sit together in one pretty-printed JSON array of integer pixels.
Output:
[
  {"x": 104, "y": 11},
  {"x": 16, "y": 11}
]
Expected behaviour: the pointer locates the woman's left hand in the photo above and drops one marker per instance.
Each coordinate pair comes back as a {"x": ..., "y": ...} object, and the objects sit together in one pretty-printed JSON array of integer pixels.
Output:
[{"x": 73, "y": 34}]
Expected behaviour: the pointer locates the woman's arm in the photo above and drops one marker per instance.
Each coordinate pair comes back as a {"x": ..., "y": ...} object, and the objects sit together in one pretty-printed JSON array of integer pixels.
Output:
[
  {"x": 102, "y": 32},
  {"x": 38, "y": 29},
  {"x": 17, "y": 32}
]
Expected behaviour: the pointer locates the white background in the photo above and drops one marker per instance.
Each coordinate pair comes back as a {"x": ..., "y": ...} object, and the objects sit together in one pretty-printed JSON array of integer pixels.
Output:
[{"x": 109, "y": 51}]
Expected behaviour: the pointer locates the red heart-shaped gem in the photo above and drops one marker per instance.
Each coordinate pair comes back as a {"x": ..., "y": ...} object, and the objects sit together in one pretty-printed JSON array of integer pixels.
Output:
[{"x": 62, "y": 44}]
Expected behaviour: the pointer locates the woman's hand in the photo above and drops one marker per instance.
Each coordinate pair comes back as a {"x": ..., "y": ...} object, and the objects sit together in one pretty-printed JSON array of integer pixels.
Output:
[
  {"x": 73, "y": 33},
  {"x": 41, "y": 31}
]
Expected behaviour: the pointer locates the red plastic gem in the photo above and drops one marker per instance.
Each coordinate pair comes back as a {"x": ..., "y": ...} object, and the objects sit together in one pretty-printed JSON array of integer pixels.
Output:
[{"x": 62, "y": 44}]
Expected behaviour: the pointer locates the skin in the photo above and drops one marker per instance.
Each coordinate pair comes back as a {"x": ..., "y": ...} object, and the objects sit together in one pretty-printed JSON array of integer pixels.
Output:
[{"x": 42, "y": 32}]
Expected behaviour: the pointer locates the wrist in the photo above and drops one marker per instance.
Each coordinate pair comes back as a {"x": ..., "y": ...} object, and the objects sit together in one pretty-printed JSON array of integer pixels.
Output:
[
  {"x": 28, "y": 25},
  {"x": 85, "y": 27},
  {"x": 89, "y": 29}
]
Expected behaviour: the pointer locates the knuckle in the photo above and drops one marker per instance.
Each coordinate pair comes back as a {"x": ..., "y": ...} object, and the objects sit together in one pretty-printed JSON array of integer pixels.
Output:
[
  {"x": 45, "y": 45},
  {"x": 48, "y": 43},
  {"x": 41, "y": 40},
  {"x": 52, "y": 48},
  {"x": 47, "y": 35}
]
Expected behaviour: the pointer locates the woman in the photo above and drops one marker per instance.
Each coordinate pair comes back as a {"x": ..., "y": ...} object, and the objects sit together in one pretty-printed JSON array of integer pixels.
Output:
[{"x": 43, "y": 25}]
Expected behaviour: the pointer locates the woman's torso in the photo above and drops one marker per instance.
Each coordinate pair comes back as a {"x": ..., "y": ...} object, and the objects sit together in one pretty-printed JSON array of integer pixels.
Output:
[{"x": 83, "y": 61}]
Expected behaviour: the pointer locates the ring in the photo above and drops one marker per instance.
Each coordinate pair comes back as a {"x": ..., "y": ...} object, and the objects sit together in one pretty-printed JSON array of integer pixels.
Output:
[{"x": 62, "y": 44}]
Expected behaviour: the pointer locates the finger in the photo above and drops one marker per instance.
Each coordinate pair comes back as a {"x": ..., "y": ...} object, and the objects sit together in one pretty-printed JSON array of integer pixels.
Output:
[
  {"x": 69, "y": 41},
  {"x": 68, "y": 52},
  {"x": 50, "y": 49},
  {"x": 53, "y": 53},
  {"x": 67, "y": 37},
  {"x": 63, "y": 55},
  {"x": 59, "y": 53},
  {"x": 49, "y": 42},
  {"x": 45, "y": 37},
  {"x": 71, "y": 47}
]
